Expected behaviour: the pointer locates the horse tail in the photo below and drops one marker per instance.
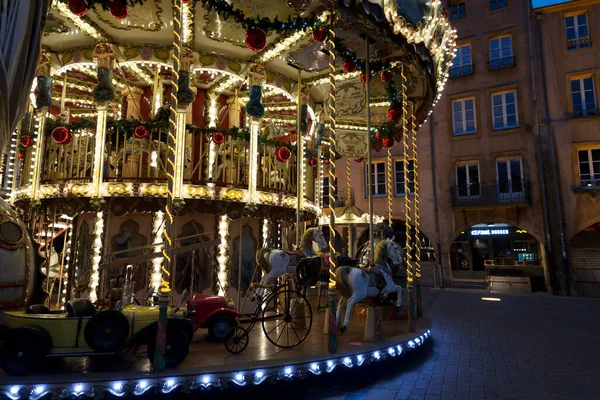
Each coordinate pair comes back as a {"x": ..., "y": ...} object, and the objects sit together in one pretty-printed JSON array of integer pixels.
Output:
[
  {"x": 260, "y": 260},
  {"x": 301, "y": 272},
  {"x": 340, "y": 279}
]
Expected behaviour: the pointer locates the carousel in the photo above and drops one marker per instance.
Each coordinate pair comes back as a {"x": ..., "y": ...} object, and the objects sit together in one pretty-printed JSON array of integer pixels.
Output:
[{"x": 176, "y": 164}]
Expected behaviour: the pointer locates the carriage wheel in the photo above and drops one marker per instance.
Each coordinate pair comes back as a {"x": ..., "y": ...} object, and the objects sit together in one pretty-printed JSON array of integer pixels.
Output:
[
  {"x": 237, "y": 340},
  {"x": 287, "y": 324}
]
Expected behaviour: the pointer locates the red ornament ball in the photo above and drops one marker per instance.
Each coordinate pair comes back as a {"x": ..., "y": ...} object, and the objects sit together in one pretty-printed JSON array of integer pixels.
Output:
[
  {"x": 363, "y": 77},
  {"x": 61, "y": 135},
  {"x": 26, "y": 141},
  {"x": 118, "y": 9},
  {"x": 141, "y": 132},
  {"x": 388, "y": 142},
  {"x": 359, "y": 160},
  {"x": 186, "y": 1},
  {"x": 326, "y": 161},
  {"x": 218, "y": 138},
  {"x": 78, "y": 7},
  {"x": 312, "y": 162},
  {"x": 377, "y": 136},
  {"x": 319, "y": 34},
  {"x": 256, "y": 39},
  {"x": 283, "y": 154},
  {"x": 394, "y": 114},
  {"x": 386, "y": 76},
  {"x": 21, "y": 156},
  {"x": 349, "y": 66}
]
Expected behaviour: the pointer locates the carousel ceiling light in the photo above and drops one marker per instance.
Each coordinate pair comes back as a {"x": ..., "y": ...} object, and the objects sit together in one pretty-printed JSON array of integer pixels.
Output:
[
  {"x": 140, "y": 73},
  {"x": 259, "y": 375},
  {"x": 78, "y": 388},
  {"x": 79, "y": 22}
]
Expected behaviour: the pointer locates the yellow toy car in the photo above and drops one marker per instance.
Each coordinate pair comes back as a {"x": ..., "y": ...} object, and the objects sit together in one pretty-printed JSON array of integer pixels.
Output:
[{"x": 83, "y": 331}]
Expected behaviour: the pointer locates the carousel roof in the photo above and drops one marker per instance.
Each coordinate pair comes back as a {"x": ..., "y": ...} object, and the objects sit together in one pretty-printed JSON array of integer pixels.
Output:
[{"x": 411, "y": 33}]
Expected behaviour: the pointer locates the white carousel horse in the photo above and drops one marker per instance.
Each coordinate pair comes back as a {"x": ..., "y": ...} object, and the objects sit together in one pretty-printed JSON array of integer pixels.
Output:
[
  {"x": 273, "y": 263},
  {"x": 355, "y": 284}
]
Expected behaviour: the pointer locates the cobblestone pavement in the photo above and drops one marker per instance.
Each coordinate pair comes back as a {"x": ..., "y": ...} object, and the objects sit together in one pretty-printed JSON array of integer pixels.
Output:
[{"x": 523, "y": 347}]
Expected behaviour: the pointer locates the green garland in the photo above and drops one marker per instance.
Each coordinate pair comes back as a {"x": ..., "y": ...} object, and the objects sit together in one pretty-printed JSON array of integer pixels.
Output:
[{"x": 105, "y": 4}]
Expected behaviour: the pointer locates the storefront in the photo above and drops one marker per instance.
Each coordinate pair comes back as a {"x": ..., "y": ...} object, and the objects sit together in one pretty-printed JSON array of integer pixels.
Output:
[{"x": 491, "y": 245}]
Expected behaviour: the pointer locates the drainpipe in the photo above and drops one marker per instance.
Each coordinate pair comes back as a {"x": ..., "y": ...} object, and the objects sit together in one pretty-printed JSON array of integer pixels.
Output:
[
  {"x": 435, "y": 198},
  {"x": 555, "y": 171},
  {"x": 538, "y": 142}
]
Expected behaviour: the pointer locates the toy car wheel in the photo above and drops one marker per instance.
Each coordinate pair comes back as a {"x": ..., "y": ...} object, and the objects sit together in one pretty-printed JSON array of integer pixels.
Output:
[
  {"x": 237, "y": 340},
  {"x": 107, "y": 331},
  {"x": 219, "y": 326},
  {"x": 177, "y": 347},
  {"x": 23, "y": 350}
]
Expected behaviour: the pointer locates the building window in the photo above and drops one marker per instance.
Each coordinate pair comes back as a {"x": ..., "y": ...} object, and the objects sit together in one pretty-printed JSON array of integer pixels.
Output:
[
  {"x": 399, "y": 177},
  {"x": 458, "y": 11},
  {"x": 504, "y": 110},
  {"x": 501, "y": 55},
  {"x": 463, "y": 117},
  {"x": 462, "y": 63},
  {"x": 578, "y": 35},
  {"x": 509, "y": 177},
  {"x": 467, "y": 179},
  {"x": 589, "y": 167},
  {"x": 325, "y": 192},
  {"x": 497, "y": 4},
  {"x": 378, "y": 179},
  {"x": 583, "y": 97}
]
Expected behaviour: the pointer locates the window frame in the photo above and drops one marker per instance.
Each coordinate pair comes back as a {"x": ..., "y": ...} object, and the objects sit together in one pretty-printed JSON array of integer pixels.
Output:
[
  {"x": 466, "y": 164},
  {"x": 504, "y": 112},
  {"x": 511, "y": 183},
  {"x": 326, "y": 185},
  {"x": 375, "y": 182},
  {"x": 411, "y": 169},
  {"x": 457, "y": 4},
  {"x": 500, "y": 51},
  {"x": 462, "y": 69},
  {"x": 462, "y": 100},
  {"x": 581, "y": 79},
  {"x": 592, "y": 182},
  {"x": 576, "y": 27}
]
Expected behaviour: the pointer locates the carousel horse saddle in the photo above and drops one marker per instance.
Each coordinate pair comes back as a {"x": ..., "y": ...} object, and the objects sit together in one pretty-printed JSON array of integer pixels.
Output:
[{"x": 376, "y": 278}]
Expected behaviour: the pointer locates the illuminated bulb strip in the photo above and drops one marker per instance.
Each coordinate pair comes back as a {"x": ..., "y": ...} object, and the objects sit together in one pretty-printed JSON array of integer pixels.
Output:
[
  {"x": 65, "y": 283},
  {"x": 34, "y": 150},
  {"x": 351, "y": 127},
  {"x": 381, "y": 104},
  {"x": 265, "y": 233},
  {"x": 90, "y": 114},
  {"x": 253, "y": 158},
  {"x": 166, "y": 384},
  {"x": 71, "y": 85},
  {"x": 187, "y": 20},
  {"x": 280, "y": 108},
  {"x": 99, "y": 149},
  {"x": 226, "y": 84},
  {"x": 212, "y": 123},
  {"x": 79, "y": 100},
  {"x": 283, "y": 45},
  {"x": 141, "y": 74},
  {"x": 10, "y": 165},
  {"x": 79, "y": 22},
  {"x": 280, "y": 120},
  {"x": 223, "y": 256},
  {"x": 96, "y": 257},
  {"x": 158, "y": 228},
  {"x": 338, "y": 77}
]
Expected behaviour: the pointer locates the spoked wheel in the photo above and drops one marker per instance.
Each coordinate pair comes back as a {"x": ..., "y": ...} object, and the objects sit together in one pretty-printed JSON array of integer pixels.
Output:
[
  {"x": 237, "y": 340},
  {"x": 287, "y": 324}
]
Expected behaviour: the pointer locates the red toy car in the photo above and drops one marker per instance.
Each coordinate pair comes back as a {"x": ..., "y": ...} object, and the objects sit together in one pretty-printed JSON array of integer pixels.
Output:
[{"x": 212, "y": 312}]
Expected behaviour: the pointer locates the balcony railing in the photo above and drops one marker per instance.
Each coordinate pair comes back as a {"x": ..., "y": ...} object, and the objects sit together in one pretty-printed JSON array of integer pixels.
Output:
[
  {"x": 500, "y": 63},
  {"x": 504, "y": 192},
  {"x": 462, "y": 70},
  {"x": 578, "y": 43},
  {"x": 593, "y": 112}
]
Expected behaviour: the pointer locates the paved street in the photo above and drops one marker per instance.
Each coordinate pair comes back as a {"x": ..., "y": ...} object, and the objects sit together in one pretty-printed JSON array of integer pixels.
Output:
[{"x": 524, "y": 347}]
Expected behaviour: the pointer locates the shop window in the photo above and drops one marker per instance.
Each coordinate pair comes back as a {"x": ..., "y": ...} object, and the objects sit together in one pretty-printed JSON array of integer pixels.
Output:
[
  {"x": 467, "y": 179},
  {"x": 589, "y": 167},
  {"x": 577, "y": 31},
  {"x": 325, "y": 192},
  {"x": 463, "y": 117},
  {"x": 501, "y": 53},
  {"x": 462, "y": 64},
  {"x": 458, "y": 10},
  {"x": 399, "y": 177},
  {"x": 504, "y": 110},
  {"x": 583, "y": 97},
  {"x": 497, "y": 4},
  {"x": 378, "y": 179}
]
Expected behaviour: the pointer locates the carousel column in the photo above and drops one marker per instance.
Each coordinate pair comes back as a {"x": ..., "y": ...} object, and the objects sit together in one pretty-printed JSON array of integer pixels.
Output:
[
  {"x": 331, "y": 293},
  {"x": 255, "y": 110},
  {"x": 416, "y": 212},
  {"x": 212, "y": 100},
  {"x": 43, "y": 102}
]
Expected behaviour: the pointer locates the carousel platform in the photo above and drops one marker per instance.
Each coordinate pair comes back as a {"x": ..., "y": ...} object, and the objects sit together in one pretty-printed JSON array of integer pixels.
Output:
[{"x": 209, "y": 364}]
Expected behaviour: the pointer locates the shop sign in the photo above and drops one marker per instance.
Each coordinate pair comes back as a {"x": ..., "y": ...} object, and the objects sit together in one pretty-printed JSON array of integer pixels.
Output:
[
  {"x": 352, "y": 144},
  {"x": 489, "y": 232}
]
